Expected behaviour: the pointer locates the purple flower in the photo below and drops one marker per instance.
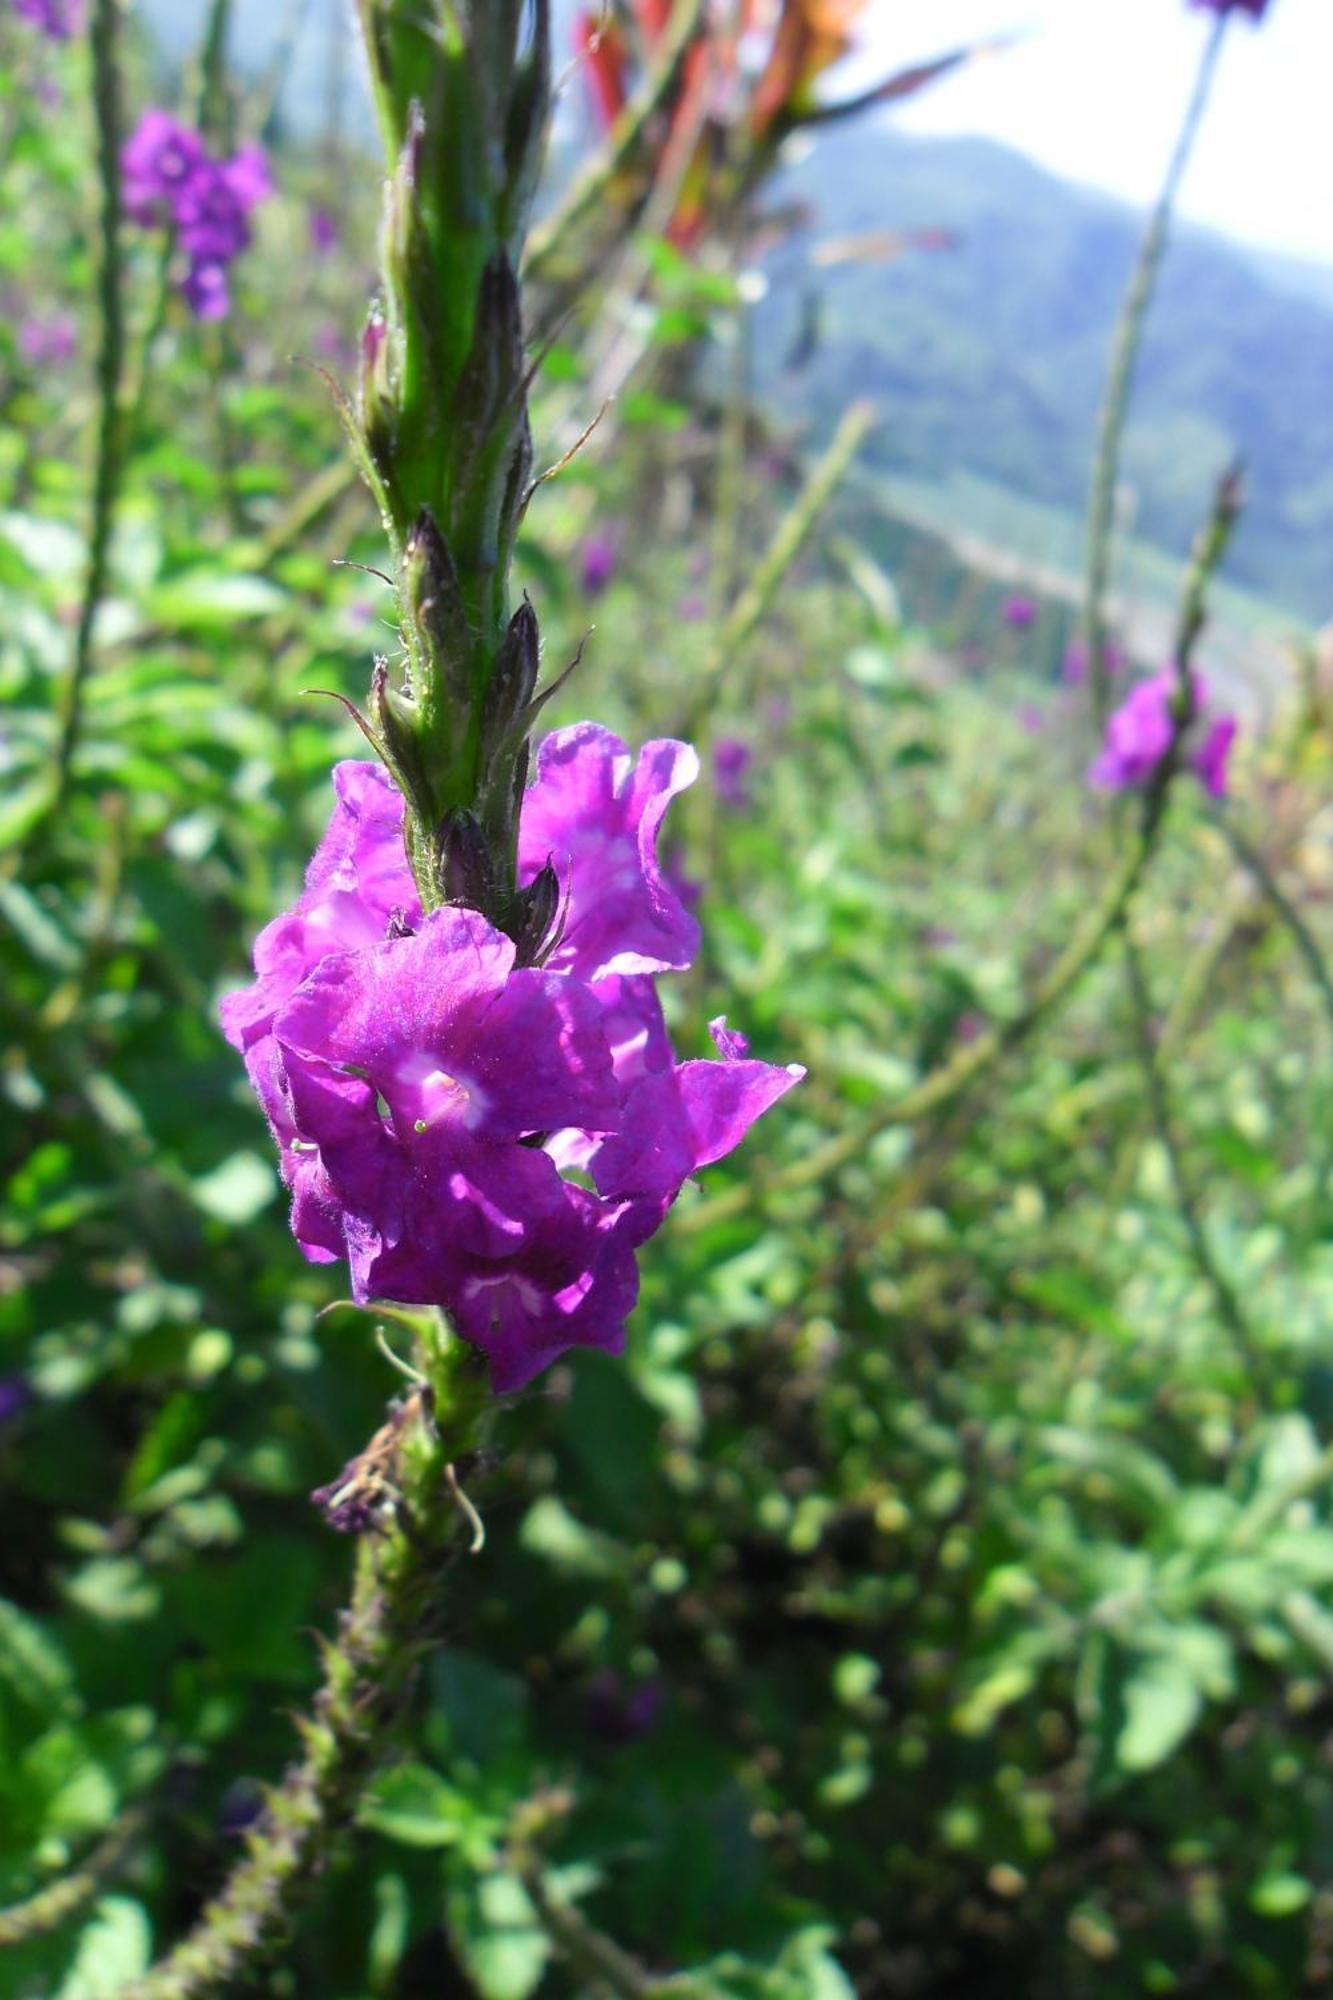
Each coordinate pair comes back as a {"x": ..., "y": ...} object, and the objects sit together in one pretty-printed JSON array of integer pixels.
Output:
[
  {"x": 430, "y": 1097},
  {"x": 1019, "y": 612},
  {"x": 1074, "y": 669},
  {"x": 731, "y": 761},
  {"x": 618, "y": 1713},
  {"x": 170, "y": 180},
  {"x": 15, "y": 1396},
  {"x": 1031, "y": 718},
  {"x": 323, "y": 231},
  {"x": 158, "y": 160},
  {"x": 1255, "y": 8},
  {"x": 204, "y": 289},
  {"x": 598, "y": 563},
  {"x": 596, "y": 814},
  {"x": 1209, "y": 762},
  {"x": 43, "y": 342},
  {"x": 1140, "y": 733},
  {"x": 57, "y": 19}
]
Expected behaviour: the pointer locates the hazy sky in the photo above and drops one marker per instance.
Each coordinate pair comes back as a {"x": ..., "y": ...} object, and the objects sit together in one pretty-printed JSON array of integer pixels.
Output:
[{"x": 1097, "y": 90}]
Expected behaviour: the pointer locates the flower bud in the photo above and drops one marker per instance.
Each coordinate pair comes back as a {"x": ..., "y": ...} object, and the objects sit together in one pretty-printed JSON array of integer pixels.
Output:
[
  {"x": 463, "y": 864},
  {"x": 535, "y": 912},
  {"x": 434, "y": 603},
  {"x": 512, "y": 683}
]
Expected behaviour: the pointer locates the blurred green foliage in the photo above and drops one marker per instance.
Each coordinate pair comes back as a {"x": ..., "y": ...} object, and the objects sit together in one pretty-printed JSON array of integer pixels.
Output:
[{"x": 935, "y": 1600}]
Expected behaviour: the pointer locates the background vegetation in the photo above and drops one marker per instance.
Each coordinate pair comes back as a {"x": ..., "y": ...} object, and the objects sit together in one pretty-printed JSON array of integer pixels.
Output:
[{"x": 934, "y": 1601}]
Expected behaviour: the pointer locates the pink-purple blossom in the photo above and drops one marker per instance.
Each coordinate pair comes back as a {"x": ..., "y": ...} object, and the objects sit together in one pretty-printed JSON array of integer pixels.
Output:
[
  {"x": 598, "y": 563},
  {"x": 1019, "y": 612},
  {"x": 731, "y": 762},
  {"x": 1141, "y": 732},
  {"x": 323, "y": 231},
  {"x": 431, "y": 1097},
  {"x": 1074, "y": 667},
  {"x": 170, "y": 180},
  {"x": 1256, "y": 9},
  {"x": 56, "y": 19},
  {"x": 47, "y": 342}
]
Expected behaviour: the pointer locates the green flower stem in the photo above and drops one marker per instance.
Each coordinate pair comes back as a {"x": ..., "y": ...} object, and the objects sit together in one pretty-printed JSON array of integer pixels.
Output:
[
  {"x": 213, "y": 108},
  {"x": 1124, "y": 359},
  {"x": 441, "y": 433},
  {"x": 1302, "y": 936},
  {"x": 104, "y": 36},
  {"x": 964, "y": 1070},
  {"x": 59, "y": 1902},
  {"x": 754, "y": 602},
  {"x": 368, "y": 1670},
  {"x": 597, "y": 1960},
  {"x": 1164, "y": 1126}
]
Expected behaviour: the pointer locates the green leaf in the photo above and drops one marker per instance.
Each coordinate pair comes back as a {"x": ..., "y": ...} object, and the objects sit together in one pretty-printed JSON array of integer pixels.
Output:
[
  {"x": 210, "y": 599},
  {"x": 237, "y": 1190},
  {"x": 1162, "y": 1702},
  {"x": 114, "y": 1949},
  {"x": 414, "y": 1805}
]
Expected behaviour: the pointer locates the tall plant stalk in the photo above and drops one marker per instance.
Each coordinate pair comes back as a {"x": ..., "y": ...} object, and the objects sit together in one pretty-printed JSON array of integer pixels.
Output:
[
  {"x": 440, "y": 432},
  {"x": 1120, "y": 382},
  {"x": 104, "y": 33}
]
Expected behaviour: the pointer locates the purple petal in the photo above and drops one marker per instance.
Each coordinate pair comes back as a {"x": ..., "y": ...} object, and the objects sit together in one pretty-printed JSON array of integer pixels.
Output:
[
  {"x": 683, "y": 1120},
  {"x": 1210, "y": 760},
  {"x": 450, "y": 1034},
  {"x": 730, "y": 1043},
  {"x": 596, "y": 814}
]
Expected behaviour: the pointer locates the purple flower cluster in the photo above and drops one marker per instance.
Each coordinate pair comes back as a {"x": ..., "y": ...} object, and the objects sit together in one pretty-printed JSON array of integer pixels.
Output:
[
  {"x": 171, "y": 180},
  {"x": 731, "y": 763},
  {"x": 1255, "y": 8},
  {"x": 493, "y": 1138},
  {"x": 1140, "y": 733},
  {"x": 1077, "y": 660},
  {"x": 45, "y": 343},
  {"x": 1019, "y": 612},
  {"x": 598, "y": 563},
  {"x": 57, "y": 19}
]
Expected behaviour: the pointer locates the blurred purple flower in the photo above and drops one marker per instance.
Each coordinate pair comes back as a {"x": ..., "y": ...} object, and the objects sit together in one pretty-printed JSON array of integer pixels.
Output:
[
  {"x": 428, "y": 1095},
  {"x": 1031, "y": 718},
  {"x": 56, "y": 19},
  {"x": 1210, "y": 760},
  {"x": 1256, "y": 9},
  {"x": 158, "y": 160},
  {"x": 1140, "y": 733},
  {"x": 15, "y": 1396},
  {"x": 323, "y": 231},
  {"x": 692, "y": 609},
  {"x": 619, "y": 1714},
  {"x": 1019, "y": 612},
  {"x": 171, "y": 181},
  {"x": 47, "y": 342},
  {"x": 731, "y": 760},
  {"x": 598, "y": 563},
  {"x": 1074, "y": 669}
]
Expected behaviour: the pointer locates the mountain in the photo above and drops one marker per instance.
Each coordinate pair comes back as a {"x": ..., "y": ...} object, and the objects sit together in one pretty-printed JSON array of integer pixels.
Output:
[{"x": 989, "y": 358}]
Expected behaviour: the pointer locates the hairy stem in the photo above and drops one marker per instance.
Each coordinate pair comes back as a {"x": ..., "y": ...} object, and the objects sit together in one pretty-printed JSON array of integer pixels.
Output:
[
  {"x": 1164, "y": 1126},
  {"x": 46, "y": 1910},
  {"x": 368, "y": 1670},
  {"x": 1124, "y": 359},
  {"x": 104, "y": 35}
]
